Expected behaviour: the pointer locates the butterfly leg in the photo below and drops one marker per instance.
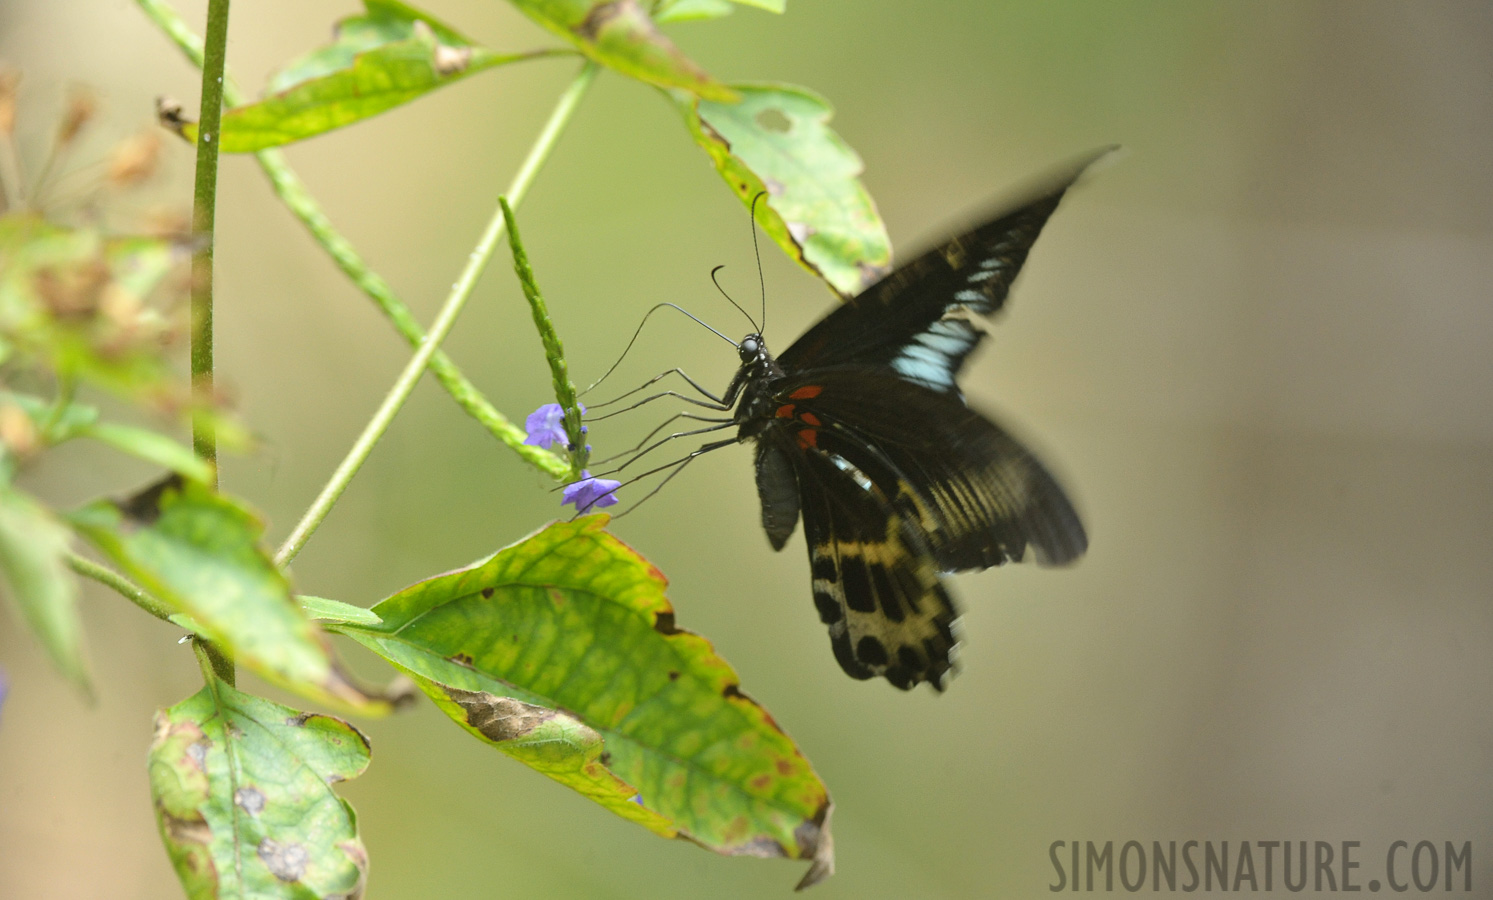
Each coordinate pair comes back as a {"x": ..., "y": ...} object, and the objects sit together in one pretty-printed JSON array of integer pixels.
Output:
[
  {"x": 678, "y": 466},
  {"x": 660, "y": 442},
  {"x": 658, "y": 396},
  {"x": 649, "y": 436},
  {"x": 660, "y": 377}
]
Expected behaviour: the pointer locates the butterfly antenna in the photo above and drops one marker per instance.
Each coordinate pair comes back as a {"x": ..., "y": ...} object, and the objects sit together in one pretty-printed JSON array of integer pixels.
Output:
[
  {"x": 758, "y": 250},
  {"x": 639, "y": 331},
  {"x": 718, "y": 287}
]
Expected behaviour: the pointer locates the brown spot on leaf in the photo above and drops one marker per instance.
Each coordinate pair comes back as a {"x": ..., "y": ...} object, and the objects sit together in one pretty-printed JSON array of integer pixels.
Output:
[
  {"x": 197, "y": 753},
  {"x": 461, "y": 659},
  {"x": 186, "y": 831},
  {"x": 169, "y": 113},
  {"x": 286, "y": 861},
  {"x": 499, "y": 718},
  {"x": 784, "y": 766},
  {"x": 673, "y": 675},
  {"x": 663, "y": 623},
  {"x": 597, "y": 18},
  {"x": 144, "y": 507},
  {"x": 299, "y": 720},
  {"x": 733, "y": 690},
  {"x": 250, "y": 799},
  {"x": 762, "y": 782},
  {"x": 815, "y": 842},
  {"x": 487, "y": 593}
]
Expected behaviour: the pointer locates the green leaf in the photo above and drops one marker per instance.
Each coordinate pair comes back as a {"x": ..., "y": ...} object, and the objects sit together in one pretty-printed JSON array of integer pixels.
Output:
[
  {"x": 776, "y": 139},
  {"x": 619, "y": 34},
  {"x": 243, "y": 798},
  {"x": 561, "y": 651},
  {"x": 151, "y": 447},
  {"x": 690, "y": 10},
  {"x": 79, "y": 420},
  {"x": 388, "y": 57},
  {"x": 337, "y": 611},
  {"x": 200, "y": 552},
  {"x": 33, "y": 549},
  {"x": 76, "y": 301},
  {"x": 694, "y": 10}
]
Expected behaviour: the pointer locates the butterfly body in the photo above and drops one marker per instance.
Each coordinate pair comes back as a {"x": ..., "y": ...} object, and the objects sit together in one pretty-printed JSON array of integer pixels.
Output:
[{"x": 861, "y": 431}]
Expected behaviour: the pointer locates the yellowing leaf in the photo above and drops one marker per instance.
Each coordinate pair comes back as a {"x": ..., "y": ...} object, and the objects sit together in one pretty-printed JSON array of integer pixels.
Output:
[
  {"x": 619, "y": 34},
  {"x": 561, "y": 651},
  {"x": 200, "y": 551},
  {"x": 776, "y": 139}
]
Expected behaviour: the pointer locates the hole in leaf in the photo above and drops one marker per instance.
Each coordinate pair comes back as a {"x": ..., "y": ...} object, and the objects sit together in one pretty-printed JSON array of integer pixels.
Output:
[{"x": 772, "y": 120}]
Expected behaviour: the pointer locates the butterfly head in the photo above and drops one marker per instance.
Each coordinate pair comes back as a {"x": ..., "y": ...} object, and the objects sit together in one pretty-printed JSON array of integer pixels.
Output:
[{"x": 752, "y": 350}]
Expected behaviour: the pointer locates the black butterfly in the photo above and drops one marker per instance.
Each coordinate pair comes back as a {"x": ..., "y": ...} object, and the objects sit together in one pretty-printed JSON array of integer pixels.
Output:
[{"x": 861, "y": 429}]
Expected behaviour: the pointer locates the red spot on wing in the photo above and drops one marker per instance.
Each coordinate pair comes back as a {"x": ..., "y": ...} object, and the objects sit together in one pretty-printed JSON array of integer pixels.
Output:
[
  {"x": 807, "y": 438},
  {"x": 807, "y": 392},
  {"x": 809, "y": 418},
  {"x": 785, "y": 412}
]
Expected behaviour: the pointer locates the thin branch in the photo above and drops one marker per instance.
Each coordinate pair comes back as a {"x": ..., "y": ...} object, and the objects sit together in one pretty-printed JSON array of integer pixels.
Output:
[
  {"x": 460, "y": 291},
  {"x": 554, "y": 350},
  {"x": 204, "y": 212},
  {"x": 204, "y": 209},
  {"x": 122, "y": 585}
]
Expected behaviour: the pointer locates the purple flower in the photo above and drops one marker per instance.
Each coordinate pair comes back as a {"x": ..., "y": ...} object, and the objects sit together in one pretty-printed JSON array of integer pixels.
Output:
[
  {"x": 546, "y": 426},
  {"x": 591, "y": 492}
]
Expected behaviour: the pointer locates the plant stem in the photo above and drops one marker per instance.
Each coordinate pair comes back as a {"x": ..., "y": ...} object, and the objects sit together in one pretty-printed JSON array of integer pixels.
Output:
[
  {"x": 460, "y": 291},
  {"x": 204, "y": 212},
  {"x": 293, "y": 193},
  {"x": 126, "y": 588},
  {"x": 204, "y": 209},
  {"x": 288, "y": 186},
  {"x": 554, "y": 350}
]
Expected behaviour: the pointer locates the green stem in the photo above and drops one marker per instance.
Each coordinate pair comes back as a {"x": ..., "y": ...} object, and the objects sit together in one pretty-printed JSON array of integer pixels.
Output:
[
  {"x": 204, "y": 214},
  {"x": 126, "y": 588},
  {"x": 292, "y": 192},
  {"x": 204, "y": 210},
  {"x": 460, "y": 291},
  {"x": 554, "y": 351}
]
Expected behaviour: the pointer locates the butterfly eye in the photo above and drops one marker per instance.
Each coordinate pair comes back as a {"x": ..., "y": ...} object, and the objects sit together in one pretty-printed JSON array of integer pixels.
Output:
[{"x": 749, "y": 348}]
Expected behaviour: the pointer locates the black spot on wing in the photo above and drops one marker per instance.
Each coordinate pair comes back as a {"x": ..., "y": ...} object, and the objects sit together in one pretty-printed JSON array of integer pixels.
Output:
[
  {"x": 871, "y": 651},
  {"x": 839, "y": 642},
  {"x": 829, "y": 607},
  {"x": 857, "y": 585},
  {"x": 823, "y": 567}
]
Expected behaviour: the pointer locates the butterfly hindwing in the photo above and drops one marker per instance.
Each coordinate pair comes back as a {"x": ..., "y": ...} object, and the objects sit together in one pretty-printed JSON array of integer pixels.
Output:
[
  {"x": 875, "y": 586},
  {"x": 978, "y": 495}
]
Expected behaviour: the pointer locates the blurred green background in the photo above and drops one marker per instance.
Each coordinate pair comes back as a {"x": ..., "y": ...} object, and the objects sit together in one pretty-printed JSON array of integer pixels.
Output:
[{"x": 1257, "y": 350}]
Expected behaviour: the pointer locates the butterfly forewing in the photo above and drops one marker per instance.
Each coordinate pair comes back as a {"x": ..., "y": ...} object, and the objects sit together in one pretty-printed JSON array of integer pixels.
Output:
[{"x": 917, "y": 320}]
